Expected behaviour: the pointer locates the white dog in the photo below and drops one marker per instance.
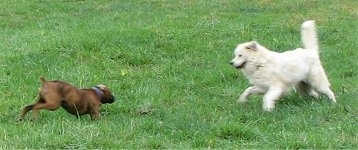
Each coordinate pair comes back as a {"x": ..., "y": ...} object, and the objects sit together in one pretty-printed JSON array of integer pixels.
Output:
[{"x": 272, "y": 74}]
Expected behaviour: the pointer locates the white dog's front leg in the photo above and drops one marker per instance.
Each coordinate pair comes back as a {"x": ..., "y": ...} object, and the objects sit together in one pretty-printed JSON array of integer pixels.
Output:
[
  {"x": 270, "y": 97},
  {"x": 249, "y": 91}
]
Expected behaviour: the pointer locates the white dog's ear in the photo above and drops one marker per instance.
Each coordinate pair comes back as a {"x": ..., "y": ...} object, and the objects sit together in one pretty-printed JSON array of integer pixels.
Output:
[{"x": 252, "y": 46}]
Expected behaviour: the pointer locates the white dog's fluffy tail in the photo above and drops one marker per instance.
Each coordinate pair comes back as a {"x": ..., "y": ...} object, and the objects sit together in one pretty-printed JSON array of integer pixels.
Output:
[{"x": 309, "y": 35}]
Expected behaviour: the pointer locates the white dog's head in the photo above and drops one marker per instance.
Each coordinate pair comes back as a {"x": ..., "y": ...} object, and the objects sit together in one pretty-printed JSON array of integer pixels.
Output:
[{"x": 243, "y": 53}]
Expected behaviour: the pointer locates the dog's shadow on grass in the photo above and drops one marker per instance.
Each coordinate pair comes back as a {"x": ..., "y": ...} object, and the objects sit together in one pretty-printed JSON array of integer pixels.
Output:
[
  {"x": 292, "y": 101},
  {"x": 300, "y": 101}
]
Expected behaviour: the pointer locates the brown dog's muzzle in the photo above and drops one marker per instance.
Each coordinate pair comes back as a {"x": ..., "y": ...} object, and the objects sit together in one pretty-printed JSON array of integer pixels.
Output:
[
  {"x": 104, "y": 94},
  {"x": 109, "y": 100}
]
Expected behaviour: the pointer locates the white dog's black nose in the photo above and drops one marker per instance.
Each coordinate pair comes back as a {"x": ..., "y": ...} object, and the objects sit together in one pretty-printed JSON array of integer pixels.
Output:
[{"x": 231, "y": 63}]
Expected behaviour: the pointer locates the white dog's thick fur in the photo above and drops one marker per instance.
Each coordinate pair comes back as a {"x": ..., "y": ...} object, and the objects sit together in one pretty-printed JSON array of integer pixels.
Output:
[{"x": 272, "y": 74}]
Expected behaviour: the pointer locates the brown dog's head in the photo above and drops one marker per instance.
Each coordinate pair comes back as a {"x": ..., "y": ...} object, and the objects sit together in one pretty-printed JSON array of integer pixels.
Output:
[{"x": 105, "y": 94}]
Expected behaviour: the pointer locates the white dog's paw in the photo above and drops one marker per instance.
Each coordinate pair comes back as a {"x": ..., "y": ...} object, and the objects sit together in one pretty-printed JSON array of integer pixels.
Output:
[
  {"x": 268, "y": 107},
  {"x": 239, "y": 101},
  {"x": 333, "y": 100},
  {"x": 313, "y": 94},
  {"x": 242, "y": 99}
]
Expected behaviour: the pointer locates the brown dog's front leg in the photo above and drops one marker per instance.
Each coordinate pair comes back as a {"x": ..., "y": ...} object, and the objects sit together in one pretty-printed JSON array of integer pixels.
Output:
[{"x": 94, "y": 114}]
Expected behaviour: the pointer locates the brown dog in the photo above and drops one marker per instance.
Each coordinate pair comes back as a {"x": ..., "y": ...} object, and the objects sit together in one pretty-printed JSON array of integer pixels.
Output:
[{"x": 54, "y": 94}]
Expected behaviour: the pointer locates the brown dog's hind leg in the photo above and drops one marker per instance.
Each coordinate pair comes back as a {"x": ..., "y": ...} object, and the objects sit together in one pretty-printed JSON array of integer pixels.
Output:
[
  {"x": 25, "y": 110},
  {"x": 38, "y": 106},
  {"x": 41, "y": 104}
]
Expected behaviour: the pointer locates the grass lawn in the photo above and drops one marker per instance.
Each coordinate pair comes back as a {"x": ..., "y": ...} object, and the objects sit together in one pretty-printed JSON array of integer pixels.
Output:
[{"x": 172, "y": 57}]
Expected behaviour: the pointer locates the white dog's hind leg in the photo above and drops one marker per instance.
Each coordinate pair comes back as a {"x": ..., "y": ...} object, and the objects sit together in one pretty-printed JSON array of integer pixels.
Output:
[
  {"x": 313, "y": 93},
  {"x": 306, "y": 89},
  {"x": 327, "y": 91},
  {"x": 319, "y": 81},
  {"x": 249, "y": 91},
  {"x": 331, "y": 96},
  {"x": 273, "y": 94}
]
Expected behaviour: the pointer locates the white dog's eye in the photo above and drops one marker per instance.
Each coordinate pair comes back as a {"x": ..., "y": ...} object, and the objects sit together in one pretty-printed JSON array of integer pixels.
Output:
[{"x": 240, "y": 55}]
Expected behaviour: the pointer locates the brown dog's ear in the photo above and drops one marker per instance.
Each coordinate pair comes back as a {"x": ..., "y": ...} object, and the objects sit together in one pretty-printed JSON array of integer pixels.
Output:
[{"x": 252, "y": 46}]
